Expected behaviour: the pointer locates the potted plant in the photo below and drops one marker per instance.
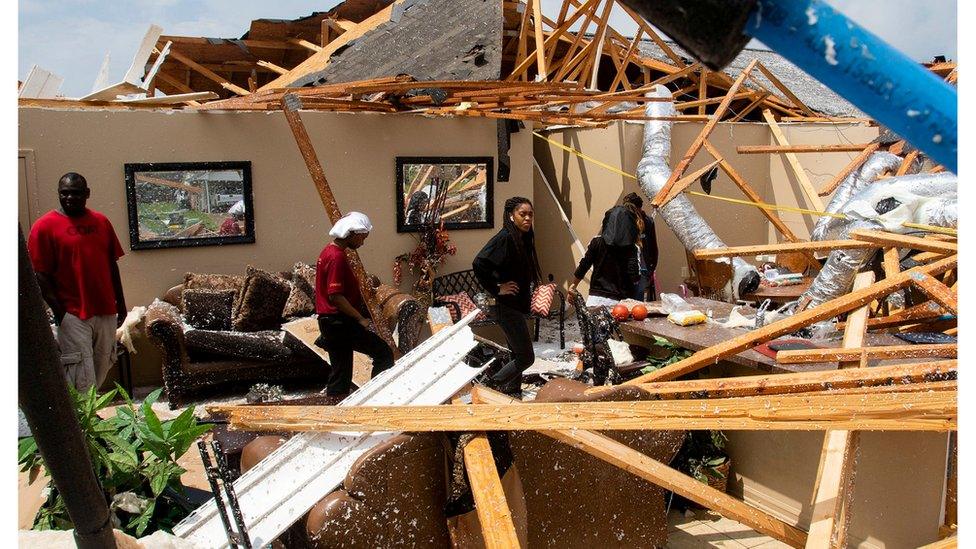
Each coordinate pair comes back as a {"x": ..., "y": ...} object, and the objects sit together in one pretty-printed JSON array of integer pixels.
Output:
[{"x": 703, "y": 457}]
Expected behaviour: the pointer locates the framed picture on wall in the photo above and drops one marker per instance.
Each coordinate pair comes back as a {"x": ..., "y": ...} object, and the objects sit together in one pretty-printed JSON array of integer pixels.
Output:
[
  {"x": 189, "y": 204},
  {"x": 457, "y": 191}
]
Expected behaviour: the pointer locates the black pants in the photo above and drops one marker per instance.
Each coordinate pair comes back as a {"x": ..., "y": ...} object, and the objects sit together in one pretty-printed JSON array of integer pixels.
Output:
[
  {"x": 513, "y": 323},
  {"x": 340, "y": 336}
]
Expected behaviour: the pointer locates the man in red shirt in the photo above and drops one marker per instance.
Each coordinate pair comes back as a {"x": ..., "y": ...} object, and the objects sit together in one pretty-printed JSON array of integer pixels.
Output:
[
  {"x": 74, "y": 251},
  {"x": 339, "y": 304}
]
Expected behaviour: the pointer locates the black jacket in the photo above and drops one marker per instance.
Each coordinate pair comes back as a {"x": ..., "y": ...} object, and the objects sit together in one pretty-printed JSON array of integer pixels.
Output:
[
  {"x": 649, "y": 244},
  {"x": 615, "y": 269},
  {"x": 499, "y": 262}
]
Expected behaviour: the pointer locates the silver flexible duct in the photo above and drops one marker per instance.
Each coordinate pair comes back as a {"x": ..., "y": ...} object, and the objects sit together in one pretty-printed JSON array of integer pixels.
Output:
[
  {"x": 929, "y": 199},
  {"x": 863, "y": 175},
  {"x": 652, "y": 174}
]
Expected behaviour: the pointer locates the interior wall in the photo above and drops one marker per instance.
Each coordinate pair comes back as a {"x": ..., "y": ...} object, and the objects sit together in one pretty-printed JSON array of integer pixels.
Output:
[
  {"x": 586, "y": 190},
  {"x": 357, "y": 152}
]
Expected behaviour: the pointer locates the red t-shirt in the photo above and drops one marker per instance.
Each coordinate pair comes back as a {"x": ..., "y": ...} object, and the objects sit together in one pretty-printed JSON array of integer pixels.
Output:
[
  {"x": 230, "y": 227},
  {"x": 333, "y": 275},
  {"x": 77, "y": 253}
]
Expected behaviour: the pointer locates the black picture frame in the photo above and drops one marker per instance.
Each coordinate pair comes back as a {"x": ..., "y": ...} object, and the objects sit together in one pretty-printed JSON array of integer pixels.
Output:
[
  {"x": 133, "y": 183},
  {"x": 485, "y": 219}
]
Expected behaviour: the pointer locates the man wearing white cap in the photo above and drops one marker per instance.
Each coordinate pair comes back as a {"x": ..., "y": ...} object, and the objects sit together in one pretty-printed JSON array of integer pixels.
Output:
[{"x": 339, "y": 304}]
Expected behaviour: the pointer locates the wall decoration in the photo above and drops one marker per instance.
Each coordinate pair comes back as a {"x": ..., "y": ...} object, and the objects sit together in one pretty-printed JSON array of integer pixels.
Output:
[
  {"x": 455, "y": 192},
  {"x": 189, "y": 204}
]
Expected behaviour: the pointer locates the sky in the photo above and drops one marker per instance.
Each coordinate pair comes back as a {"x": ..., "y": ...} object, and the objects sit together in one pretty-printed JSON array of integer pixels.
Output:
[{"x": 72, "y": 37}]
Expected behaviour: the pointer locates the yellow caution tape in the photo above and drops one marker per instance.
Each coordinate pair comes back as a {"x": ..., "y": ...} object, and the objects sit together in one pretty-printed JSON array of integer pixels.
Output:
[{"x": 763, "y": 205}]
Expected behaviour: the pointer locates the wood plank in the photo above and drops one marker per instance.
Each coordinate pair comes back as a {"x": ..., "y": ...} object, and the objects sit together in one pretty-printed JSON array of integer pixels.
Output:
[
  {"x": 702, "y": 90},
  {"x": 851, "y": 166},
  {"x": 937, "y": 291},
  {"x": 927, "y": 311},
  {"x": 699, "y": 141},
  {"x": 495, "y": 516},
  {"x": 888, "y": 352},
  {"x": 552, "y": 40},
  {"x": 806, "y": 382},
  {"x": 209, "y": 74},
  {"x": 794, "y": 163},
  {"x": 290, "y": 106},
  {"x": 896, "y": 411},
  {"x": 753, "y": 196},
  {"x": 906, "y": 163},
  {"x": 905, "y": 241},
  {"x": 785, "y": 89},
  {"x": 272, "y": 66},
  {"x": 857, "y": 320},
  {"x": 782, "y": 247},
  {"x": 775, "y": 149},
  {"x": 540, "y": 50},
  {"x": 622, "y": 71},
  {"x": 686, "y": 181},
  {"x": 830, "y": 309},
  {"x": 651, "y": 470}
]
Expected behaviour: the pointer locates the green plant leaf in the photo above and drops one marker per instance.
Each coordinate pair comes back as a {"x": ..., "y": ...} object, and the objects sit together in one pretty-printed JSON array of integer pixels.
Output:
[
  {"x": 716, "y": 461},
  {"x": 153, "y": 397},
  {"x": 141, "y": 522},
  {"x": 26, "y": 451},
  {"x": 152, "y": 420}
]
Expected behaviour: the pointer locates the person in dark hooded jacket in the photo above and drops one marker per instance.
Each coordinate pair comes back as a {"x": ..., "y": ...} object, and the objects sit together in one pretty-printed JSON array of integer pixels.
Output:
[{"x": 612, "y": 255}]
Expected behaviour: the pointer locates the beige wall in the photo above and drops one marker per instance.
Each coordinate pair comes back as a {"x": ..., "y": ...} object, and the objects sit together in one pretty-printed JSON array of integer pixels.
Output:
[
  {"x": 587, "y": 190},
  {"x": 357, "y": 152}
]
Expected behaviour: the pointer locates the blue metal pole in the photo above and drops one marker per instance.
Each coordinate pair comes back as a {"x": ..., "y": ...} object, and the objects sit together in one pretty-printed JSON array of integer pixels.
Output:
[{"x": 878, "y": 79}]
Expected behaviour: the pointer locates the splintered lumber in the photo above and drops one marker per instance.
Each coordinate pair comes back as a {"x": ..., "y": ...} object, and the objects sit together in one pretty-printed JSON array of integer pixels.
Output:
[
  {"x": 794, "y": 162},
  {"x": 927, "y": 311},
  {"x": 699, "y": 141},
  {"x": 751, "y": 193},
  {"x": 494, "y": 513},
  {"x": 906, "y": 375},
  {"x": 775, "y": 149},
  {"x": 290, "y": 106},
  {"x": 904, "y": 241},
  {"x": 652, "y": 470},
  {"x": 851, "y": 166},
  {"x": 834, "y": 486},
  {"x": 923, "y": 411},
  {"x": 224, "y": 83},
  {"x": 806, "y": 356},
  {"x": 830, "y": 309},
  {"x": 784, "y": 247},
  {"x": 937, "y": 291}
]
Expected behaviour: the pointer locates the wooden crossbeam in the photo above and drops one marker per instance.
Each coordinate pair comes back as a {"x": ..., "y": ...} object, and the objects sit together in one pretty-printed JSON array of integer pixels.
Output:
[
  {"x": 905, "y": 241},
  {"x": 910, "y": 411},
  {"x": 782, "y": 247},
  {"x": 207, "y": 73},
  {"x": 290, "y": 106},
  {"x": 699, "y": 141},
  {"x": 271, "y": 66},
  {"x": 652, "y": 470},
  {"x": 838, "y": 460},
  {"x": 622, "y": 71},
  {"x": 937, "y": 291},
  {"x": 889, "y": 352},
  {"x": 540, "y": 50},
  {"x": 753, "y": 196},
  {"x": 785, "y": 89},
  {"x": 495, "y": 516},
  {"x": 922, "y": 312},
  {"x": 830, "y": 309},
  {"x": 686, "y": 181},
  {"x": 759, "y": 97},
  {"x": 776, "y": 149},
  {"x": 906, "y": 163},
  {"x": 805, "y": 382},
  {"x": 851, "y": 166},
  {"x": 794, "y": 163}
]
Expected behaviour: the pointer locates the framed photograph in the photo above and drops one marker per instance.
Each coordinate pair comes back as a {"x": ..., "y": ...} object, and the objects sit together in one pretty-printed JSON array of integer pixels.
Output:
[
  {"x": 189, "y": 204},
  {"x": 454, "y": 190}
]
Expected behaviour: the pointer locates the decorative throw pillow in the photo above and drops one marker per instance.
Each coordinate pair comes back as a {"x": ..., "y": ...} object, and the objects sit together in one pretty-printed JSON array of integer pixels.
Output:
[
  {"x": 205, "y": 281},
  {"x": 301, "y": 298},
  {"x": 542, "y": 299},
  {"x": 463, "y": 303},
  {"x": 261, "y": 302},
  {"x": 208, "y": 309}
]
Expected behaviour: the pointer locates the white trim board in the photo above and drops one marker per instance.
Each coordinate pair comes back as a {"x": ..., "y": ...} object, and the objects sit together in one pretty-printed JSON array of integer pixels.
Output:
[{"x": 285, "y": 485}]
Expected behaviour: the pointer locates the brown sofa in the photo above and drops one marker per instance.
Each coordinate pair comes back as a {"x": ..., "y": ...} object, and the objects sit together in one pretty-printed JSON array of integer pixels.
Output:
[
  {"x": 198, "y": 360},
  {"x": 394, "y": 494}
]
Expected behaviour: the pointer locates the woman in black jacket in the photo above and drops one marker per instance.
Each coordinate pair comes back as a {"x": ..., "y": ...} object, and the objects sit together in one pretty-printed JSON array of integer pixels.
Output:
[{"x": 506, "y": 268}]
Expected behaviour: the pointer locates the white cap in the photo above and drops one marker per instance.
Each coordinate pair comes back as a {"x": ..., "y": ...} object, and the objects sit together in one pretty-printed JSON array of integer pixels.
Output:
[{"x": 352, "y": 222}]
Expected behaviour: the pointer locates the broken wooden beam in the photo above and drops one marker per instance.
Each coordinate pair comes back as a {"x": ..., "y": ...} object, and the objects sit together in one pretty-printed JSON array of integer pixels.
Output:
[
  {"x": 911, "y": 411},
  {"x": 783, "y": 247},
  {"x": 890, "y": 352},
  {"x": 794, "y": 163},
  {"x": 830, "y": 309},
  {"x": 806, "y": 382},
  {"x": 495, "y": 516},
  {"x": 904, "y": 241},
  {"x": 937, "y": 291},
  {"x": 851, "y": 166},
  {"x": 652, "y": 470},
  {"x": 776, "y": 149}
]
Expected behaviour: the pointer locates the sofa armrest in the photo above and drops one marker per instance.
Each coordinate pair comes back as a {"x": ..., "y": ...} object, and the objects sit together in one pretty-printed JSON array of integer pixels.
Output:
[{"x": 164, "y": 325}]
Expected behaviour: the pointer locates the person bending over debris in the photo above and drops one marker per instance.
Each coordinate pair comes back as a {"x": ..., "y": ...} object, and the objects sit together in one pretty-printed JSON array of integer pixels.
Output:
[
  {"x": 622, "y": 256},
  {"x": 75, "y": 252},
  {"x": 338, "y": 301},
  {"x": 506, "y": 268}
]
